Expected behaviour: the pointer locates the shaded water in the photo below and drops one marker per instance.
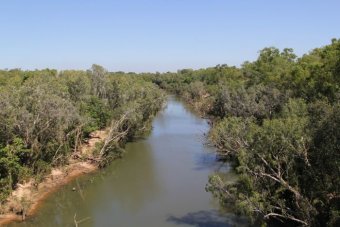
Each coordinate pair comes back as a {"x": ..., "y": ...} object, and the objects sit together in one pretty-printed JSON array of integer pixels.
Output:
[{"x": 159, "y": 182}]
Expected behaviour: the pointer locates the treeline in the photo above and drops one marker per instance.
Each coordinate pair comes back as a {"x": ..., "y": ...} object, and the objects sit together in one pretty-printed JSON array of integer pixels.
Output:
[
  {"x": 278, "y": 119},
  {"x": 45, "y": 115}
]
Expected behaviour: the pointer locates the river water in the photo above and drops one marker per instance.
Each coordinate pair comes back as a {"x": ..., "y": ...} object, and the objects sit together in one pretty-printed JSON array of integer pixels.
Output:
[{"x": 160, "y": 181}]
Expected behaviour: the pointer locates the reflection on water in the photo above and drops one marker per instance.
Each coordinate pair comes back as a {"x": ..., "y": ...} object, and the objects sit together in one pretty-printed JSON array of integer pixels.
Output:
[{"x": 159, "y": 182}]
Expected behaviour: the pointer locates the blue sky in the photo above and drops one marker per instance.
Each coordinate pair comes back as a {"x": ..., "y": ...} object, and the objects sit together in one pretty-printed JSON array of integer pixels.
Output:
[{"x": 162, "y": 35}]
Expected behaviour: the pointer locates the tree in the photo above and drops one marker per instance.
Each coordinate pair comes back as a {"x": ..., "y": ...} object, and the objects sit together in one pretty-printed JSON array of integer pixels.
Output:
[{"x": 98, "y": 74}]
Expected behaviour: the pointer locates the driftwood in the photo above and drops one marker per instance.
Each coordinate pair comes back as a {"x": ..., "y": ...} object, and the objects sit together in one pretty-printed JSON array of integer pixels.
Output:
[{"x": 76, "y": 223}]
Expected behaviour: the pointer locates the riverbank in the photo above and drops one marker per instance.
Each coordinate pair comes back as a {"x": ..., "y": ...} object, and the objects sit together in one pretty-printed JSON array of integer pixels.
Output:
[{"x": 25, "y": 200}]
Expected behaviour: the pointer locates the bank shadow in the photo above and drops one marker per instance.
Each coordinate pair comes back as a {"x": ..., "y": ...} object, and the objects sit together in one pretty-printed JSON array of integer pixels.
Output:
[
  {"x": 206, "y": 161},
  {"x": 207, "y": 218}
]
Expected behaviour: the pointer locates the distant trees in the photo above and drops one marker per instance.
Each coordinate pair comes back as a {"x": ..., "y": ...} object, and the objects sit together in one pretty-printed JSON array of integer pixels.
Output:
[{"x": 277, "y": 118}]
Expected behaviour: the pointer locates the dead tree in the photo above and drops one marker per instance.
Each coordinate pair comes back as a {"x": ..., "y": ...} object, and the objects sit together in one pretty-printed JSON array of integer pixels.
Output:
[{"x": 116, "y": 133}]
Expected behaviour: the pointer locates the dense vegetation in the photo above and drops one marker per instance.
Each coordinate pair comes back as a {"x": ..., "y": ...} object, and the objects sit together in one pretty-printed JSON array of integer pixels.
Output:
[
  {"x": 278, "y": 118},
  {"x": 45, "y": 115}
]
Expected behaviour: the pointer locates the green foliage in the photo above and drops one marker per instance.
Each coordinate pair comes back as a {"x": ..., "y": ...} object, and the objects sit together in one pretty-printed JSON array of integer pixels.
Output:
[
  {"x": 258, "y": 101},
  {"x": 12, "y": 165},
  {"x": 97, "y": 112},
  {"x": 232, "y": 134},
  {"x": 45, "y": 114}
]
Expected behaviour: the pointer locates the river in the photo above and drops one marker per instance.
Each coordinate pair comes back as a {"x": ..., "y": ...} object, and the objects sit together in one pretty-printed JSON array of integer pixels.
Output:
[{"x": 160, "y": 181}]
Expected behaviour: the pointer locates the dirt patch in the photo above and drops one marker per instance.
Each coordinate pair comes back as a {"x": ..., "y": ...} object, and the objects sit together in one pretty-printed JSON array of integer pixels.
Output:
[{"x": 26, "y": 198}]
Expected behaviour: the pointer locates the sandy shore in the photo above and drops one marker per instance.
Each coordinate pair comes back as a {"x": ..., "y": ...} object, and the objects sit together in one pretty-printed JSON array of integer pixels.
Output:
[{"x": 27, "y": 197}]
